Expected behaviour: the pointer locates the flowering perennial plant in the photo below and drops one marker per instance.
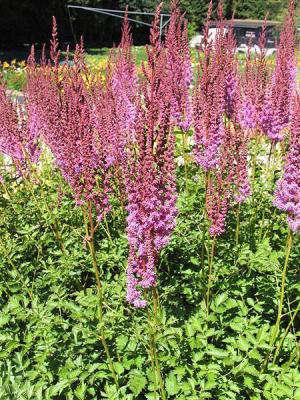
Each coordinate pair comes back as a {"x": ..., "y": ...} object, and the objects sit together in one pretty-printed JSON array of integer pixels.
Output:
[
  {"x": 124, "y": 83},
  {"x": 280, "y": 90},
  {"x": 18, "y": 139},
  {"x": 179, "y": 67},
  {"x": 150, "y": 181},
  {"x": 253, "y": 85},
  {"x": 287, "y": 193},
  {"x": 121, "y": 127},
  {"x": 214, "y": 94}
]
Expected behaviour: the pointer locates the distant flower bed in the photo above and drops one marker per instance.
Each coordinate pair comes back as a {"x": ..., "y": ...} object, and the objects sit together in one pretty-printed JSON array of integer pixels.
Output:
[{"x": 13, "y": 74}]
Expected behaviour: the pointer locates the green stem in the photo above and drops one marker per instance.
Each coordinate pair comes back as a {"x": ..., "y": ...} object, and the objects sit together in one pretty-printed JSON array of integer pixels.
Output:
[
  {"x": 285, "y": 333},
  {"x": 283, "y": 279},
  {"x": 184, "y": 160},
  {"x": 89, "y": 226},
  {"x": 210, "y": 263},
  {"x": 53, "y": 225},
  {"x": 203, "y": 248},
  {"x": 237, "y": 231},
  {"x": 289, "y": 244},
  {"x": 262, "y": 223},
  {"x": 156, "y": 360},
  {"x": 106, "y": 228},
  {"x": 151, "y": 347},
  {"x": 5, "y": 190}
]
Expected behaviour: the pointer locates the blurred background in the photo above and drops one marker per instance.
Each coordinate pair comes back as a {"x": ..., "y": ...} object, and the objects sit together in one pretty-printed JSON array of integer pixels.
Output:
[{"x": 29, "y": 21}]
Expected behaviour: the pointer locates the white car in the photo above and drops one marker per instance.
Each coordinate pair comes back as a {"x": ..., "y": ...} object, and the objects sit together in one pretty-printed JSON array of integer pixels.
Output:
[
  {"x": 196, "y": 41},
  {"x": 243, "y": 48}
]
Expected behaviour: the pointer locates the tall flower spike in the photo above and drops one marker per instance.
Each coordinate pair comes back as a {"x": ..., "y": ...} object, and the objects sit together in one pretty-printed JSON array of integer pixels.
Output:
[
  {"x": 217, "y": 202},
  {"x": 253, "y": 85},
  {"x": 124, "y": 81},
  {"x": 276, "y": 113},
  {"x": 150, "y": 177},
  {"x": 63, "y": 102},
  {"x": 17, "y": 139},
  {"x": 235, "y": 156},
  {"x": 179, "y": 66},
  {"x": 209, "y": 103},
  {"x": 287, "y": 193}
]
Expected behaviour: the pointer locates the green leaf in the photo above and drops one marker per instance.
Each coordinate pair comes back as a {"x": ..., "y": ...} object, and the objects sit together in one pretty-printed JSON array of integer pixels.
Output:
[
  {"x": 118, "y": 368},
  {"x": 137, "y": 383},
  {"x": 172, "y": 386}
]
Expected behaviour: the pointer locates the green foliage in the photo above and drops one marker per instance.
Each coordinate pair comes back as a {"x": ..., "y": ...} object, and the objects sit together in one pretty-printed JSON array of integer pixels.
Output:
[
  {"x": 258, "y": 9},
  {"x": 49, "y": 340}
]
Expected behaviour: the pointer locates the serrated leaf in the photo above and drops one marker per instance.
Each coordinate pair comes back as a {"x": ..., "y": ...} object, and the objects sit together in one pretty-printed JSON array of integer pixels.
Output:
[
  {"x": 137, "y": 384},
  {"x": 172, "y": 386}
]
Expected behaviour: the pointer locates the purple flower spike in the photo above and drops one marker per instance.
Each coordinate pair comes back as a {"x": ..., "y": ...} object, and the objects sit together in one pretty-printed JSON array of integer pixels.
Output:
[
  {"x": 275, "y": 116},
  {"x": 150, "y": 174},
  {"x": 287, "y": 193}
]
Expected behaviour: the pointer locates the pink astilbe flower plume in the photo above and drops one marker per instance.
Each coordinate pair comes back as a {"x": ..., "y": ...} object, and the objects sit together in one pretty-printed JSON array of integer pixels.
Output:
[
  {"x": 115, "y": 100},
  {"x": 235, "y": 155},
  {"x": 124, "y": 81},
  {"x": 287, "y": 193},
  {"x": 66, "y": 121},
  {"x": 217, "y": 202},
  {"x": 150, "y": 180},
  {"x": 214, "y": 95},
  {"x": 253, "y": 85},
  {"x": 17, "y": 138},
  {"x": 228, "y": 182},
  {"x": 179, "y": 66},
  {"x": 276, "y": 113}
]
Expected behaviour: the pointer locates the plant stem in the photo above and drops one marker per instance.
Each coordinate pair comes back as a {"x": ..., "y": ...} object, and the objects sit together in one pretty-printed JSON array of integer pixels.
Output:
[
  {"x": 155, "y": 321},
  {"x": 151, "y": 347},
  {"x": 5, "y": 190},
  {"x": 203, "y": 248},
  {"x": 285, "y": 333},
  {"x": 184, "y": 160},
  {"x": 254, "y": 161},
  {"x": 289, "y": 245},
  {"x": 53, "y": 225},
  {"x": 262, "y": 225},
  {"x": 89, "y": 226},
  {"x": 237, "y": 231},
  {"x": 210, "y": 263},
  {"x": 283, "y": 278},
  {"x": 106, "y": 228}
]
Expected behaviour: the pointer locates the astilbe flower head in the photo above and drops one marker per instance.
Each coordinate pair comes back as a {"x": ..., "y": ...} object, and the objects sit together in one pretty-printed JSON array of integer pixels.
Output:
[
  {"x": 253, "y": 84},
  {"x": 34, "y": 92},
  {"x": 228, "y": 182},
  {"x": 287, "y": 193},
  {"x": 114, "y": 101},
  {"x": 66, "y": 119},
  {"x": 217, "y": 202},
  {"x": 235, "y": 156},
  {"x": 124, "y": 81},
  {"x": 214, "y": 94},
  {"x": 276, "y": 113},
  {"x": 17, "y": 139},
  {"x": 150, "y": 178},
  {"x": 232, "y": 94},
  {"x": 179, "y": 67}
]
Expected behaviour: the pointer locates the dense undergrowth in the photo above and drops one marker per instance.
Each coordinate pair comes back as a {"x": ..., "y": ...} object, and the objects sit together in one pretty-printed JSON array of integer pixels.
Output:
[
  {"x": 50, "y": 347},
  {"x": 149, "y": 223}
]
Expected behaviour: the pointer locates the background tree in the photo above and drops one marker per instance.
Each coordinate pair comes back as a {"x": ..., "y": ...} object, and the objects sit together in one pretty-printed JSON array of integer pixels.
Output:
[{"x": 29, "y": 21}]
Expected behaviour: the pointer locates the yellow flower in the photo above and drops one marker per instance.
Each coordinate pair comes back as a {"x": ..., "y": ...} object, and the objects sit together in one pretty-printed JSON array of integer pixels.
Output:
[{"x": 5, "y": 64}]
